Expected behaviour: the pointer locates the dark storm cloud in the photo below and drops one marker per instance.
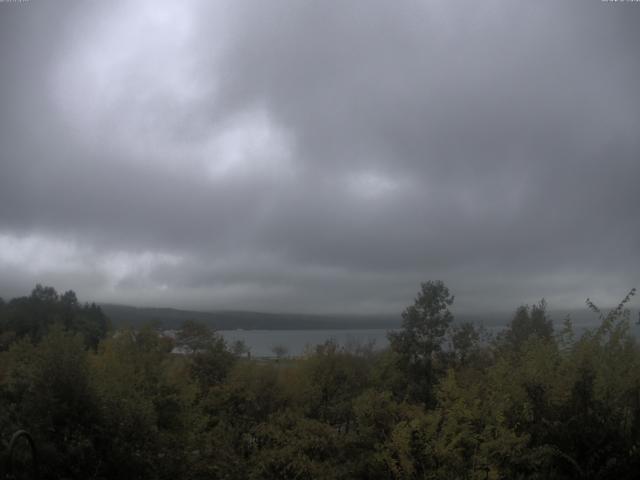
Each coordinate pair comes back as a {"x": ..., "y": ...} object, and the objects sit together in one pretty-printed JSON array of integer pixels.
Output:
[{"x": 318, "y": 156}]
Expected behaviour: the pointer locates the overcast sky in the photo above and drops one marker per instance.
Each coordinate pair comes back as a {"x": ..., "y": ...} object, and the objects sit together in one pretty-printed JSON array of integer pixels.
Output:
[{"x": 320, "y": 156}]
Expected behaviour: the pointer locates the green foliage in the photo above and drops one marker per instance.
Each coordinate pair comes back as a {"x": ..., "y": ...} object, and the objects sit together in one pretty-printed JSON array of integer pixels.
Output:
[
  {"x": 528, "y": 322},
  {"x": 292, "y": 446},
  {"x": 419, "y": 344},
  {"x": 441, "y": 403},
  {"x": 425, "y": 323},
  {"x": 209, "y": 358},
  {"x": 335, "y": 377},
  {"x": 33, "y": 316},
  {"x": 48, "y": 391}
]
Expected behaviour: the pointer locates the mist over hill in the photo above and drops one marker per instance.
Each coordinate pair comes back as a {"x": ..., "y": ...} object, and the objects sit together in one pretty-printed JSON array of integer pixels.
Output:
[
  {"x": 171, "y": 318},
  {"x": 122, "y": 315}
]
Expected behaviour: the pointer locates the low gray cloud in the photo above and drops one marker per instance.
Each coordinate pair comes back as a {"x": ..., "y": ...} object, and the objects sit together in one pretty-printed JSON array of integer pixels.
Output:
[{"x": 318, "y": 156}]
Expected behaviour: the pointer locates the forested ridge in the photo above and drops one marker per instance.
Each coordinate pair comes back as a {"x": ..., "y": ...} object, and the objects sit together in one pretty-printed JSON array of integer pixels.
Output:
[
  {"x": 126, "y": 316},
  {"x": 446, "y": 400}
]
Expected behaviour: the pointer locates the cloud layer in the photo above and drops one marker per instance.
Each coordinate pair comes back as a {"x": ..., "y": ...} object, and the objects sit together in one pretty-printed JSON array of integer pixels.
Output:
[{"x": 312, "y": 156}]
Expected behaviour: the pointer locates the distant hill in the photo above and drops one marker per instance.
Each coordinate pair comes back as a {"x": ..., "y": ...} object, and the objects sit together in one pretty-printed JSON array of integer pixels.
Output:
[
  {"x": 170, "y": 318},
  {"x": 122, "y": 315}
]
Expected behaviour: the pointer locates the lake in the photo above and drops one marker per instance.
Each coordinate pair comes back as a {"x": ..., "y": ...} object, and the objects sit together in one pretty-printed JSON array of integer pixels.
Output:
[{"x": 262, "y": 342}]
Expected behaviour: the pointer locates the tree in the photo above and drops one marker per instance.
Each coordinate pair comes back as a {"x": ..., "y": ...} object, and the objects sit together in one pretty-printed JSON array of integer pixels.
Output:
[
  {"x": 419, "y": 343},
  {"x": 49, "y": 389},
  {"x": 528, "y": 322},
  {"x": 35, "y": 315},
  {"x": 465, "y": 342},
  {"x": 194, "y": 336},
  {"x": 240, "y": 348},
  {"x": 46, "y": 295},
  {"x": 146, "y": 407},
  {"x": 280, "y": 351},
  {"x": 335, "y": 377},
  {"x": 210, "y": 359}
]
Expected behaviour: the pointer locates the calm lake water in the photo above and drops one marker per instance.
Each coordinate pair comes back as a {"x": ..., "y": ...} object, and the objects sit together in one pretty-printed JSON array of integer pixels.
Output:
[{"x": 262, "y": 342}]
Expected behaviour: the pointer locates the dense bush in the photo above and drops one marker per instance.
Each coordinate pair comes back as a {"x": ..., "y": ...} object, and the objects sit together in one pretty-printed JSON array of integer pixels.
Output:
[{"x": 443, "y": 402}]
